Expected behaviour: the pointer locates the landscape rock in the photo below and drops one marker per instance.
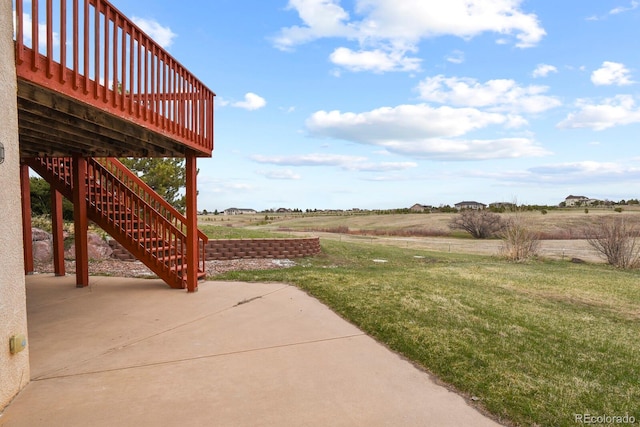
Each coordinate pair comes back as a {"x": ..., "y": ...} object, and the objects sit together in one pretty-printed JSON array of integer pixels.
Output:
[
  {"x": 42, "y": 251},
  {"x": 38, "y": 235},
  {"x": 97, "y": 248},
  {"x": 42, "y": 245},
  {"x": 118, "y": 268}
]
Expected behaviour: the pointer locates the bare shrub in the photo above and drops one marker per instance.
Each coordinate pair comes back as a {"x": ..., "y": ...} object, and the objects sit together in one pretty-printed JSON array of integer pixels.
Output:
[
  {"x": 480, "y": 224},
  {"x": 519, "y": 242},
  {"x": 615, "y": 240}
]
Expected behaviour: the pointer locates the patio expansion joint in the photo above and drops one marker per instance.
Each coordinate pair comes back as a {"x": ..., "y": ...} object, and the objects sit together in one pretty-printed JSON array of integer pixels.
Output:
[{"x": 202, "y": 357}]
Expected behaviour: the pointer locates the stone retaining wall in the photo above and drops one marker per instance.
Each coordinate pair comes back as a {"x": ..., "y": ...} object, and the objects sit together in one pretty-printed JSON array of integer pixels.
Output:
[{"x": 226, "y": 249}]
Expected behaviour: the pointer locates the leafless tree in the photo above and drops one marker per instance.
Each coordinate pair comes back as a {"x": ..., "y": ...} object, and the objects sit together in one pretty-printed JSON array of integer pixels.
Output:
[
  {"x": 481, "y": 224},
  {"x": 615, "y": 240},
  {"x": 519, "y": 241}
]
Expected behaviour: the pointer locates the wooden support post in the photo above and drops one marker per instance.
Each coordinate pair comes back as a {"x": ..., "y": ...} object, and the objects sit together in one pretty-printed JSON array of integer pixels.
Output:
[
  {"x": 80, "y": 220},
  {"x": 192, "y": 223},
  {"x": 27, "y": 237},
  {"x": 58, "y": 232}
]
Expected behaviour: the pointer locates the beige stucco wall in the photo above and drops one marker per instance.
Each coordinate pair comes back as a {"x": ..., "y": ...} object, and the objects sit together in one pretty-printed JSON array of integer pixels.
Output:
[{"x": 14, "y": 369}]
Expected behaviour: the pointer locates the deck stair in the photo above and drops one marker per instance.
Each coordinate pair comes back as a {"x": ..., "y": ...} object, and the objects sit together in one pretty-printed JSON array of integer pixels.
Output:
[{"x": 131, "y": 212}]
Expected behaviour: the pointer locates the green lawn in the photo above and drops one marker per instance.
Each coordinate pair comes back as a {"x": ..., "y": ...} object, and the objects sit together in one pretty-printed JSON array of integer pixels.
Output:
[
  {"x": 223, "y": 232},
  {"x": 536, "y": 342}
]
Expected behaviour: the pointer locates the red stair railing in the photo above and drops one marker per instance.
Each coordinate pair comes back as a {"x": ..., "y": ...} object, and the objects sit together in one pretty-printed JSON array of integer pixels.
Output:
[
  {"x": 143, "y": 190},
  {"x": 131, "y": 212},
  {"x": 93, "y": 53},
  {"x": 151, "y": 199}
]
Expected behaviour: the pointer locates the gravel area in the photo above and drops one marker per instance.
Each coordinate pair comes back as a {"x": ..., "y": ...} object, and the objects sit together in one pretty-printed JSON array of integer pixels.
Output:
[{"x": 114, "y": 267}]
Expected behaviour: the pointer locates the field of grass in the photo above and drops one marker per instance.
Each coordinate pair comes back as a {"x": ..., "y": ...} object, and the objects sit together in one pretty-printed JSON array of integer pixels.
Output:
[
  {"x": 564, "y": 224},
  {"x": 561, "y": 230},
  {"x": 223, "y": 232},
  {"x": 533, "y": 343}
]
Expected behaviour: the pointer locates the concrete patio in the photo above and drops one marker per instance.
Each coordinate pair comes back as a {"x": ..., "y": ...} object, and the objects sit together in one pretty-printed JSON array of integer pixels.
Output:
[{"x": 132, "y": 352}]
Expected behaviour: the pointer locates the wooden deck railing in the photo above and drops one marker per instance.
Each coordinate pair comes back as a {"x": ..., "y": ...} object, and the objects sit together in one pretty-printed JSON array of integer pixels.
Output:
[{"x": 90, "y": 51}]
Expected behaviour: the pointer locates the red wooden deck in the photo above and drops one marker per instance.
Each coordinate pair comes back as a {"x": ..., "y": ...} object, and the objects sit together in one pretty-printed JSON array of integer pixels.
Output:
[{"x": 91, "y": 84}]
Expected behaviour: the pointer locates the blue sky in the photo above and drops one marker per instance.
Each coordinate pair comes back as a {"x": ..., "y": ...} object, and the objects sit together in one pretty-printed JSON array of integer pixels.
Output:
[{"x": 386, "y": 103}]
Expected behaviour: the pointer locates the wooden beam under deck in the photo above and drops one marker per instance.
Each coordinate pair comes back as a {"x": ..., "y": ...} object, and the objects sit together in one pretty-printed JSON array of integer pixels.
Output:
[
  {"x": 27, "y": 237},
  {"x": 45, "y": 135},
  {"x": 80, "y": 221},
  {"x": 53, "y": 124},
  {"x": 58, "y": 232},
  {"x": 191, "y": 173}
]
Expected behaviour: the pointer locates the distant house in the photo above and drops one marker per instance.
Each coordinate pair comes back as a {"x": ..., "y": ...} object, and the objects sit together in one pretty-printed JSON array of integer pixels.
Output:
[
  {"x": 283, "y": 210},
  {"x": 237, "y": 211},
  {"x": 470, "y": 205},
  {"x": 576, "y": 201},
  {"x": 420, "y": 208}
]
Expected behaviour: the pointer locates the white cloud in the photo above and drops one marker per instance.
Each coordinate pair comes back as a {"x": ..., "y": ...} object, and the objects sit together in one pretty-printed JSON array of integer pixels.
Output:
[
  {"x": 586, "y": 168},
  {"x": 586, "y": 173},
  {"x": 42, "y": 32},
  {"x": 221, "y": 102},
  {"x": 515, "y": 121},
  {"x": 615, "y": 11},
  {"x": 497, "y": 95},
  {"x": 407, "y": 20},
  {"x": 285, "y": 174},
  {"x": 238, "y": 186},
  {"x": 322, "y": 18},
  {"x": 467, "y": 149},
  {"x": 377, "y": 60},
  {"x": 591, "y": 172},
  {"x": 403, "y": 122},
  {"x": 381, "y": 167},
  {"x": 423, "y": 131},
  {"x": 388, "y": 29},
  {"x": 621, "y": 9},
  {"x": 616, "y": 111},
  {"x": 387, "y": 178},
  {"x": 223, "y": 187},
  {"x": 456, "y": 57},
  {"x": 251, "y": 102},
  {"x": 350, "y": 163},
  {"x": 543, "y": 70},
  {"x": 611, "y": 73},
  {"x": 161, "y": 35},
  {"x": 314, "y": 159},
  {"x": 410, "y": 20}
]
